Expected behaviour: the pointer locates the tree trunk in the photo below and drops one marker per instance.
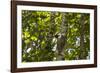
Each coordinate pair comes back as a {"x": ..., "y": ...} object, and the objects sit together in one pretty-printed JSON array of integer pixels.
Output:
[
  {"x": 82, "y": 29},
  {"x": 61, "y": 41}
]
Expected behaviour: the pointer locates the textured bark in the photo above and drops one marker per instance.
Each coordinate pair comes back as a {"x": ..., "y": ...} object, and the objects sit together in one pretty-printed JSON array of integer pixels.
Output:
[
  {"x": 52, "y": 23},
  {"x": 82, "y": 52},
  {"x": 61, "y": 41}
]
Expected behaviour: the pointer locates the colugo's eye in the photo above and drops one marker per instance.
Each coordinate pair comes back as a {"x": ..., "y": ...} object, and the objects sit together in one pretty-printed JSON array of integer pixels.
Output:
[{"x": 56, "y": 36}]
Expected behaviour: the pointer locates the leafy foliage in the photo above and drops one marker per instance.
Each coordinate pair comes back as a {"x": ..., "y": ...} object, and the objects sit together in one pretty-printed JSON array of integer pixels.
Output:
[{"x": 47, "y": 36}]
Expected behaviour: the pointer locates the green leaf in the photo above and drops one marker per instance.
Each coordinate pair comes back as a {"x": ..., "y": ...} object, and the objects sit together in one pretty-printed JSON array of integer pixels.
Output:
[
  {"x": 26, "y": 34},
  {"x": 27, "y": 41},
  {"x": 34, "y": 38}
]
